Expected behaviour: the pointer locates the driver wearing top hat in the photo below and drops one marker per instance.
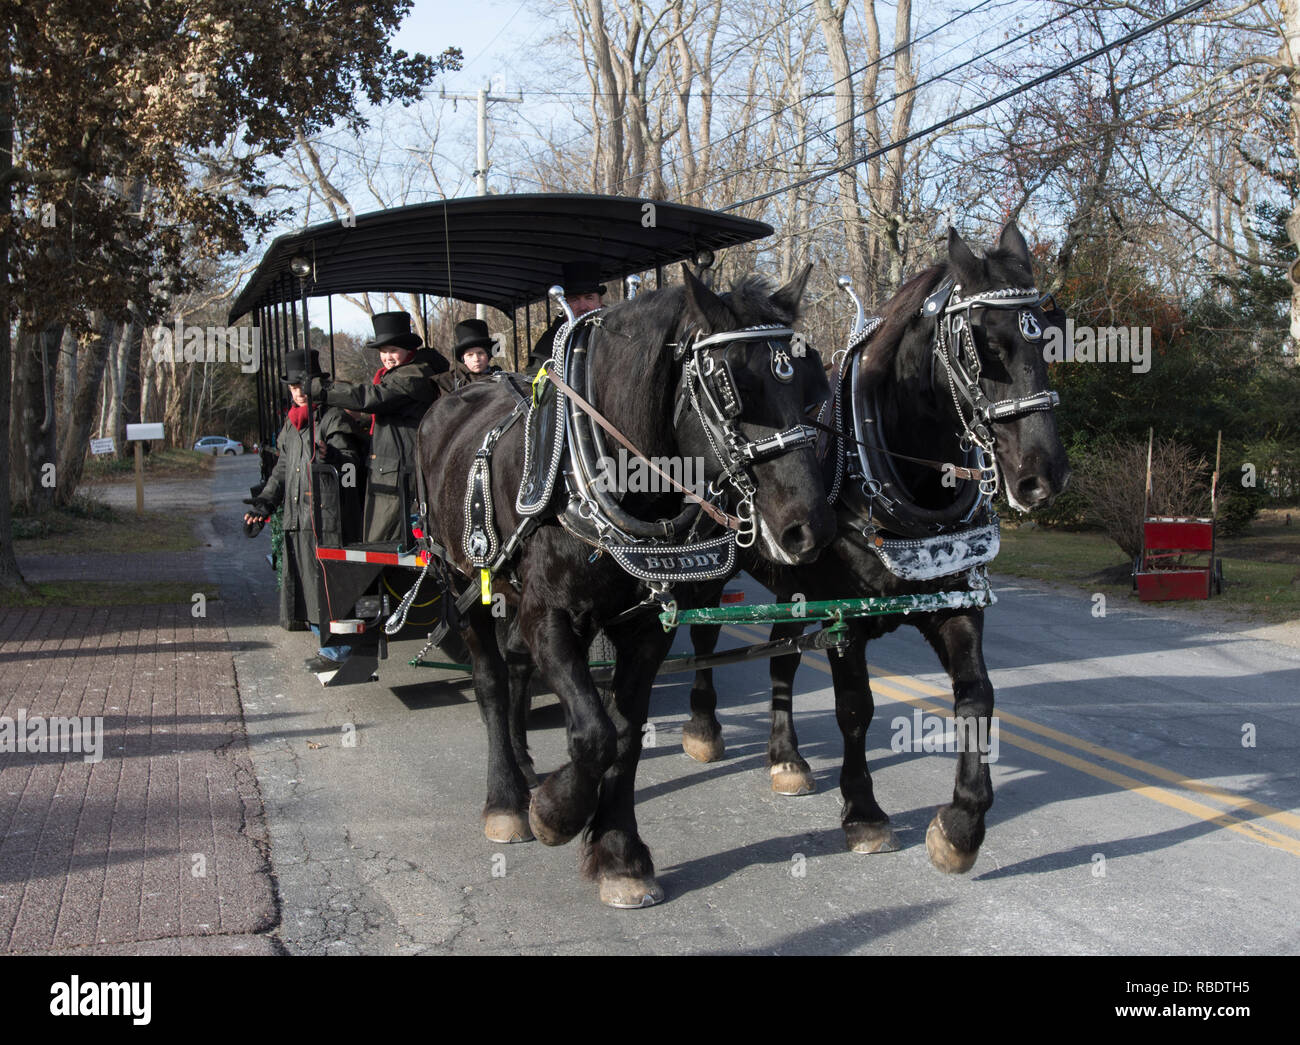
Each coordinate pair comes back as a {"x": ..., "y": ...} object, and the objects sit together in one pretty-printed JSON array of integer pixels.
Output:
[
  {"x": 397, "y": 397},
  {"x": 583, "y": 291}
]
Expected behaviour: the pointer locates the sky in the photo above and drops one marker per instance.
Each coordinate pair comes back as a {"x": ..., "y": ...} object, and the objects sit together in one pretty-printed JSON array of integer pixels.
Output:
[
  {"x": 495, "y": 37},
  {"x": 499, "y": 40}
]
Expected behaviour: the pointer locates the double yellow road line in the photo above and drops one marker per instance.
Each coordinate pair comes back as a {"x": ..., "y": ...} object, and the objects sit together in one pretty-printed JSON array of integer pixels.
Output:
[{"x": 908, "y": 690}]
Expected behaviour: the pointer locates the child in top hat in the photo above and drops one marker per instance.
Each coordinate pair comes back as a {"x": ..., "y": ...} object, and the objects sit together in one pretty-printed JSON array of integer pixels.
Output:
[{"x": 474, "y": 347}]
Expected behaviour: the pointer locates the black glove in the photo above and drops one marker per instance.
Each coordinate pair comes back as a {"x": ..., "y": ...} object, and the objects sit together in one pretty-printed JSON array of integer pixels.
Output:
[{"x": 256, "y": 507}]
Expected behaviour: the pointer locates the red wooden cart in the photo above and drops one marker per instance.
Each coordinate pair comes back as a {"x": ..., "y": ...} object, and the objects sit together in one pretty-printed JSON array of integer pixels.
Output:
[{"x": 1161, "y": 573}]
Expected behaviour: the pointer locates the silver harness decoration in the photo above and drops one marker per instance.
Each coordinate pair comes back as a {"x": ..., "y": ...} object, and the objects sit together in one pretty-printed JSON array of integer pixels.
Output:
[
  {"x": 966, "y": 548},
  {"x": 708, "y": 385},
  {"x": 954, "y": 328},
  {"x": 709, "y": 377}
]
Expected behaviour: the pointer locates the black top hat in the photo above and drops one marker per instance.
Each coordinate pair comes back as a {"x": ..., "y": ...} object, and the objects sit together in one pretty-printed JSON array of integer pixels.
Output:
[
  {"x": 300, "y": 367},
  {"x": 580, "y": 277},
  {"x": 472, "y": 333},
  {"x": 393, "y": 328}
]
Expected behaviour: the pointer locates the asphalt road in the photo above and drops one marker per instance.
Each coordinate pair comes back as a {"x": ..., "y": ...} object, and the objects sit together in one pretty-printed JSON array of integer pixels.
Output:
[{"x": 1146, "y": 798}]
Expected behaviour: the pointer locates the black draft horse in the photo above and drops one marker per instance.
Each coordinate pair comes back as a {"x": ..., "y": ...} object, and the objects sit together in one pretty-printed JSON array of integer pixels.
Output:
[
  {"x": 564, "y": 592},
  {"x": 917, "y": 413}
]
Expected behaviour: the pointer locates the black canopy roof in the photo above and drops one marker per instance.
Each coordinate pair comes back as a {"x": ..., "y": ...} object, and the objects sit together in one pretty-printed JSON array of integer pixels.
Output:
[{"x": 503, "y": 251}]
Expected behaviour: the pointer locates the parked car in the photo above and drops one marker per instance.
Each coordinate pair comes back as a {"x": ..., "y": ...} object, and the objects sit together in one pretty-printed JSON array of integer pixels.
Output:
[{"x": 219, "y": 444}]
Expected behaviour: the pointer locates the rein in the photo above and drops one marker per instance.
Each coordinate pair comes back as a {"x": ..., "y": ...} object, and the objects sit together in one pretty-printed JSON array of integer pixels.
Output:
[{"x": 731, "y": 522}]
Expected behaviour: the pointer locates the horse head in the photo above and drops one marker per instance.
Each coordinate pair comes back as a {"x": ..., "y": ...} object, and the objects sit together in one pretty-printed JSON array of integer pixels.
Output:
[
  {"x": 746, "y": 386},
  {"x": 996, "y": 311}
]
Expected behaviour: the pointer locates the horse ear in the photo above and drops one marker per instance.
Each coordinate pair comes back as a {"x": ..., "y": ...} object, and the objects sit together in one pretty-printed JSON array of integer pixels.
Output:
[
  {"x": 703, "y": 307},
  {"x": 963, "y": 259},
  {"x": 788, "y": 297},
  {"x": 1014, "y": 243}
]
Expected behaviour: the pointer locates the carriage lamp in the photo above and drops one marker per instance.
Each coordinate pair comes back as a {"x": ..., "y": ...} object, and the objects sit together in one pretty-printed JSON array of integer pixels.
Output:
[
  {"x": 704, "y": 259},
  {"x": 301, "y": 268}
]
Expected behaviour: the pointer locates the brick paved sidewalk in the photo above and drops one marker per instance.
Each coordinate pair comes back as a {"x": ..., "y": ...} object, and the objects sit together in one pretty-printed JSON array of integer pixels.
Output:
[
  {"x": 160, "y": 847},
  {"x": 136, "y": 566}
]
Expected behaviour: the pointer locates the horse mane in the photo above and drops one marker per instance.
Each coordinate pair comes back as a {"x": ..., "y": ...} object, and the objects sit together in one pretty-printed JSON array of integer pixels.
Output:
[
  {"x": 998, "y": 267},
  {"x": 751, "y": 299},
  {"x": 897, "y": 314}
]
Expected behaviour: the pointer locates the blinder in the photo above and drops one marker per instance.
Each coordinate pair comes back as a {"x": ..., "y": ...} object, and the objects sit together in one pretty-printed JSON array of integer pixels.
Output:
[{"x": 709, "y": 385}]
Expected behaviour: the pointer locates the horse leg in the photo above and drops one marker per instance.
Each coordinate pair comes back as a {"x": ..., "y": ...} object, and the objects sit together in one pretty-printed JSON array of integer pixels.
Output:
[
  {"x": 791, "y": 775},
  {"x": 866, "y": 825},
  {"x": 519, "y": 666},
  {"x": 957, "y": 830},
  {"x": 613, "y": 853},
  {"x": 505, "y": 817},
  {"x": 702, "y": 735},
  {"x": 565, "y": 801}
]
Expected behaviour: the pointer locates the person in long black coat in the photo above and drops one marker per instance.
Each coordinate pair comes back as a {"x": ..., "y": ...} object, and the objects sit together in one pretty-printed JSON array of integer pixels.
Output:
[
  {"x": 398, "y": 396},
  {"x": 338, "y": 442}
]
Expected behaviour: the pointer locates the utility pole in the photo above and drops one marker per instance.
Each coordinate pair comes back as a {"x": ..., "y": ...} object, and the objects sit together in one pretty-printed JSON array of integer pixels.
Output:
[{"x": 480, "y": 174}]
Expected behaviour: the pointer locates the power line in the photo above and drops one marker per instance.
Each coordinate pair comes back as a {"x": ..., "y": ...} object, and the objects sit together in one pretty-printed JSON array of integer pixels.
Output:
[
  {"x": 812, "y": 94},
  {"x": 899, "y": 94},
  {"x": 1051, "y": 74}
]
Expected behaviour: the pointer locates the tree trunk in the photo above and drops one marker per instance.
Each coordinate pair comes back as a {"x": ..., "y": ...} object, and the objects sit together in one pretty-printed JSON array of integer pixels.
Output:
[
  {"x": 10, "y": 576},
  {"x": 1291, "y": 54},
  {"x": 128, "y": 383},
  {"x": 830, "y": 14},
  {"x": 33, "y": 435},
  {"x": 67, "y": 379},
  {"x": 73, "y": 458}
]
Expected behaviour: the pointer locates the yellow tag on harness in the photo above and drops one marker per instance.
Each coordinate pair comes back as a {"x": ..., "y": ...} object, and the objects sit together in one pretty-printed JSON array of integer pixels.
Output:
[
  {"x": 540, "y": 380},
  {"x": 485, "y": 586}
]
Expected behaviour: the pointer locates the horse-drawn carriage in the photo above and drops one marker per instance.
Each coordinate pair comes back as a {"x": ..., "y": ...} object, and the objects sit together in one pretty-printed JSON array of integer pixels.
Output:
[
  {"x": 926, "y": 412},
  {"x": 505, "y": 252}
]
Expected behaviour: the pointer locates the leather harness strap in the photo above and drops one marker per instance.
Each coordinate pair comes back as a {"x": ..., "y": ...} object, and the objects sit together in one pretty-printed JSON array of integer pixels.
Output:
[{"x": 731, "y": 522}]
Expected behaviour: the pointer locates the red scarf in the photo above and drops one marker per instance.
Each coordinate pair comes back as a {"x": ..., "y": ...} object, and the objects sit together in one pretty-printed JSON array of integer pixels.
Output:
[
  {"x": 298, "y": 416},
  {"x": 379, "y": 376}
]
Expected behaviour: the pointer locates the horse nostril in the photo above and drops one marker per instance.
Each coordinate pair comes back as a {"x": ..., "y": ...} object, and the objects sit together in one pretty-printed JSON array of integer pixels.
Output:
[
  {"x": 798, "y": 539},
  {"x": 1033, "y": 491}
]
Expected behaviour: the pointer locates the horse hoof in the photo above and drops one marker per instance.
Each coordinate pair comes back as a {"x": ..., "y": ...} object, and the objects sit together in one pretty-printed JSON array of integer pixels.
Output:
[
  {"x": 703, "y": 748},
  {"x": 943, "y": 854},
  {"x": 542, "y": 831},
  {"x": 506, "y": 827},
  {"x": 871, "y": 838},
  {"x": 790, "y": 778},
  {"x": 630, "y": 893}
]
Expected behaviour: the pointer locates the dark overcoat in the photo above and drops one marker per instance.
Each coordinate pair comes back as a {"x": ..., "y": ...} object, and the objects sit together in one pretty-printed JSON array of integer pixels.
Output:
[
  {"x": 302, "y": 595},
  {"x": 397, "y": 403}
]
